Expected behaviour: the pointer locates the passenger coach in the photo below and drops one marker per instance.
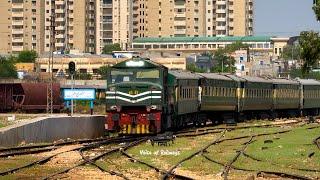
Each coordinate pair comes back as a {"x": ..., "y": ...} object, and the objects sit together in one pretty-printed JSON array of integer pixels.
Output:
[{"x": 144, "y": 97}]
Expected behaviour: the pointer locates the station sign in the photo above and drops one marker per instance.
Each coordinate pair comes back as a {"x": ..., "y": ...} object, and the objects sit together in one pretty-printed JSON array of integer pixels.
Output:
[{"x": 79, "y": 94}]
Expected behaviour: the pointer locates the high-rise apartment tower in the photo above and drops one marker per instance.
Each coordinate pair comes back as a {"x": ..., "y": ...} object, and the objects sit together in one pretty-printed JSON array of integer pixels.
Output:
[
  {"x": 20, "y": 26},
  {"x": 180, "y": 18}
]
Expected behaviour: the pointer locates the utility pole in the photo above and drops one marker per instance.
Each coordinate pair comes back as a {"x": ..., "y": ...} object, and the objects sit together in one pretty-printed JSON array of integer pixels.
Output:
[{"x": 50, "y": 65}]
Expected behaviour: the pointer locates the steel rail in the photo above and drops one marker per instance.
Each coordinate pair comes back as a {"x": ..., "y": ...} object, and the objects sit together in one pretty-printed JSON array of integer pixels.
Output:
[
  {"x": 93, "y": 159},
  {"x": 167, "y": 174},
  {"x": 154, "y": 167},
  {"x": 234, "y": 159}
]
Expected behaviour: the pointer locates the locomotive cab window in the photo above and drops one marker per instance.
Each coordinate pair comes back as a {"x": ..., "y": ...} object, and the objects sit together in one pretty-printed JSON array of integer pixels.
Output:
[{"x": 129, "y": 75}]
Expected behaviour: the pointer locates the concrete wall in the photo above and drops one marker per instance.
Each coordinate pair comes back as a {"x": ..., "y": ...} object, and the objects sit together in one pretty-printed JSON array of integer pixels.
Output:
[{"x": 51, "y": 129}]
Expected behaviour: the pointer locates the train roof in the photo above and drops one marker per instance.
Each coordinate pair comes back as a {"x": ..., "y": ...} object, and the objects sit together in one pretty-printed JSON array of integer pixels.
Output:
[
  {"x": 138, "y": 63},
  {"x": 256, "y": 79},
  {"x": 308, "y": 81},
  {"x": 184, "y": 74},
  {"x": 235, "y": 78},
  {"x": 284, "y": 81},
  {"x": 215, "y": 76}
]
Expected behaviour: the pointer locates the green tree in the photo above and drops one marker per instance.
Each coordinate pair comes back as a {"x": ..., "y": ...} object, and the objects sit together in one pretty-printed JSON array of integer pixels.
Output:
[
  {"x": 107, "y": 49},
  {"x": 27, "y": 56},
  {"x": 193, "y": 68},
  {"x": 235, "y": 46},
  {"x": 316, "y": 9},
  {"x": 291, "y": 52},
  {"x": 224, "y": 62},
  {"x": 7, "y": 68},
  {"x": 102, "y": 71},
  {"x": 298, "y": 73},
  {"x": 310, "y": 50},
  {"x": 83, "y": 76}
]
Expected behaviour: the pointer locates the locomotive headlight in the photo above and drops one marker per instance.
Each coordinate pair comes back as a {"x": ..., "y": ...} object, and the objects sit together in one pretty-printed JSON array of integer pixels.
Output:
[
  {"x": 113, "y": 108},
  {"x": 153, "y": 107}
]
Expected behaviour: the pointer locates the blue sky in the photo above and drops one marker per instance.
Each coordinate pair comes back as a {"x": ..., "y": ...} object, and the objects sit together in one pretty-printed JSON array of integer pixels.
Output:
[{"x": 284, "y": 17}]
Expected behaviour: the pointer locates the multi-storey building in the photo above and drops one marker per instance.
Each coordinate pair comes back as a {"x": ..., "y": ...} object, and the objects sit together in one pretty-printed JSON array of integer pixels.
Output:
[
  {"x": 74, "y": 22},
  {"x": 122, "y": 22},
  {"x": 20, "y": 26},
  {"x": 104, "y": 24},
  {"x": 26, "y": 25},
  {"x": 89, "y": 25},
  {"x": 180, "y": 18}
]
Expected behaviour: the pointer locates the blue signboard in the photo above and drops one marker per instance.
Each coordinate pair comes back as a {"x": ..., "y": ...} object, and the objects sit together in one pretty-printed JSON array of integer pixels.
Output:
[{"x": 79, "y": 94}]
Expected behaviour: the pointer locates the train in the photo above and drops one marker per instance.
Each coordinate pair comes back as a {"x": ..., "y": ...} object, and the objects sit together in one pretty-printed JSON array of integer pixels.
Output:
[
  {"x": 28, "y": 97},
  {"x": 144, "y": 97}
]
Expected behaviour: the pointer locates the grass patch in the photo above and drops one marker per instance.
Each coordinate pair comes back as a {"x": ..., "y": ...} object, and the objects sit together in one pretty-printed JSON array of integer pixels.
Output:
[
  {"x": 13, "y": 162},
  {"x": 202, "y": 165},
  {"x": 35, "y": 171},
  {"x": 133, "y": 170},
  {"x": 158, "y": 156},
  {"x": 290, "y": 150}
]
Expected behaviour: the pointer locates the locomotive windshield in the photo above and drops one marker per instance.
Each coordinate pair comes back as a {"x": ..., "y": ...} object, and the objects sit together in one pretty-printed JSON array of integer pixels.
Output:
[{"x": 129, "y": 75}]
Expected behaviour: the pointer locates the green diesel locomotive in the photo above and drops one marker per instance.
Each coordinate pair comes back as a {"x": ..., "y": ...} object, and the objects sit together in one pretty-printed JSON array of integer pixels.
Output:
[{"x": 146, "y": 98}]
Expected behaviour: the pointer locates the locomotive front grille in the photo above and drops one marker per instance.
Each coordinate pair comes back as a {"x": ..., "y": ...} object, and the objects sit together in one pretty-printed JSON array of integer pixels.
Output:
[{"x": 137, "y": 129}]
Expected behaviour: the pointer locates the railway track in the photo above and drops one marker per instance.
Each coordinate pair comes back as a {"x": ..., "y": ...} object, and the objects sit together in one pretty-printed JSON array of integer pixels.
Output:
[
  {"x": 91, "y": 160},
  {"x": 227, "y": 167},
  {"x": 220, "y": 140},
  {"x": 276, "y": 164},
  {"x": 316, "y": 141},
  {"x": 82, "y": 147},
  {"x": 34, "y": 149},
  {"x": 173, "y": 175},
  {"x": 169, "y": 172},
  {"x": 215, "y": 130}
]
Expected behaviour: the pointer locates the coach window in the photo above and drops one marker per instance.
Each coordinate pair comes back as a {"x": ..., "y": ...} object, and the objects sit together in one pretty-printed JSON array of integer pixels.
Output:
[
  {"x": 182, "y": 97},
  {"x": 187, "y": 94},
  {"x": 212, "y": 91}
]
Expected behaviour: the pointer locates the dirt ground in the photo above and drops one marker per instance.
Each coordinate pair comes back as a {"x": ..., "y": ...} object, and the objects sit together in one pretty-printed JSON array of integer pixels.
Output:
[{"x": 288, "y": 153}]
